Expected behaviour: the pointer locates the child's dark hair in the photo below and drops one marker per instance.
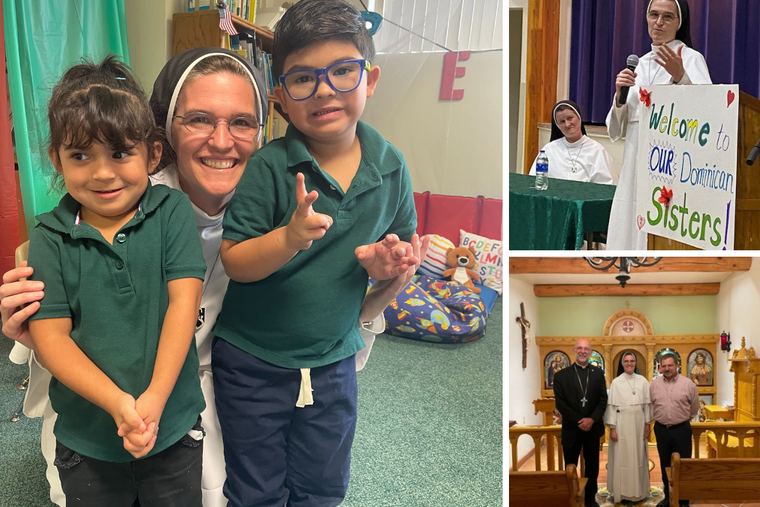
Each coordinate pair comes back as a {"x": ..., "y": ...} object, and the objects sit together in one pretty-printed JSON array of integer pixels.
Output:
[
  {"x": 312, "y": 21},
  {"x": 103, "y": 103}
]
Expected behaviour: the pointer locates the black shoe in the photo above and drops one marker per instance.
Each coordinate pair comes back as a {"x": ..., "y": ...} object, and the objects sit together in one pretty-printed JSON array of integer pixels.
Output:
[
  {"x": 664, "y": 503},
  {"x": 592, "y": 503}
]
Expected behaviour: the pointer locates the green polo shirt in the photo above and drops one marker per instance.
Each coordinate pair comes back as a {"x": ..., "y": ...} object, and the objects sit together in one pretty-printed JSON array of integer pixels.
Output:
[
  {"x": 117, "y": 296},
  {"x": 305, "y": 314}
]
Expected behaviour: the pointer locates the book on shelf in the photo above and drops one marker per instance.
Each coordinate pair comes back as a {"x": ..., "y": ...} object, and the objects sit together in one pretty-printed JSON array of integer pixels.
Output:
[{"x": 246, "y": 9}]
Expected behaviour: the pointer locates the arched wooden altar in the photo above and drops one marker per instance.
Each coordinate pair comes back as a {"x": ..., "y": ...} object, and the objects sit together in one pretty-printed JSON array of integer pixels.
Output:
[{"x": 630, "y": 330}]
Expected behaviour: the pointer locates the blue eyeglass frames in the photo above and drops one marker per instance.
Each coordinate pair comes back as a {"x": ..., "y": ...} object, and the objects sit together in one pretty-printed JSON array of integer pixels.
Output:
[{"x": 342, "y": 77}]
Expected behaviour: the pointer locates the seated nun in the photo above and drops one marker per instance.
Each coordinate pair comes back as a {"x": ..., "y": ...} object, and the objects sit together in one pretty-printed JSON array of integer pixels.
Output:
[{"x": 573, "y": 155}]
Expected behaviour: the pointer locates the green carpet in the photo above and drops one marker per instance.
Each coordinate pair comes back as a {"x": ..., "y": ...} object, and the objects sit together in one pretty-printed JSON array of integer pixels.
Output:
[
  {"x": 429, "y": 431},
  {"x": 430, "y": 424},
  {"x": 22, "y": 467}
]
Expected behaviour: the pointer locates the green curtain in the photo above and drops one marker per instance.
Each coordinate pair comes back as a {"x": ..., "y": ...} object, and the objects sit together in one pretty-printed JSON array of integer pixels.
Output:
[{"x": 42, "y": 39}]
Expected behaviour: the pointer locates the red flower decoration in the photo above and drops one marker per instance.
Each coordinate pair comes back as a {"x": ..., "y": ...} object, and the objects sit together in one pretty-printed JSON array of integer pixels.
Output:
[
  {"x": 645, "y": 97},
  {"x": 665, "y": 196}
]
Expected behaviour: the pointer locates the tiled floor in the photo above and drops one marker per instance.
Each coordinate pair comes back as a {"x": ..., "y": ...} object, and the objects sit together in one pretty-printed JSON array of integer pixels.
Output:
[{"x": 655, "y": 479}]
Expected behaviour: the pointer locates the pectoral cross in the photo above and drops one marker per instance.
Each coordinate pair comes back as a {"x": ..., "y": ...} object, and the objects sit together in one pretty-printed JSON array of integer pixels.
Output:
[
  {"x": 583, "y": 401},
  {"x": 525, "y": 328}
]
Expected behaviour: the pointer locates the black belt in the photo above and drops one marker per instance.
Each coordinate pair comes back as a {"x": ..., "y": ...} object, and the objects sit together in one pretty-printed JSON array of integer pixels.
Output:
[{"x": 673, "y": 426}]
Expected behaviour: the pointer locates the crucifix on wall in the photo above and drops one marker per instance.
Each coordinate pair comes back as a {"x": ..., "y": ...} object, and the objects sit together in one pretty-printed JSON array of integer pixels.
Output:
[{"x": 525, "y": 328}]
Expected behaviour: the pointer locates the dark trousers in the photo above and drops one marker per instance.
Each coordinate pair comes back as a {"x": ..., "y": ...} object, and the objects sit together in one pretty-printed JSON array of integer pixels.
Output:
[
  {"x": 277, "y": 454},
  {"x": 670, "y": 441},
  {"x": 171, "y": 478},
  {"x": 590, "y": 445}
]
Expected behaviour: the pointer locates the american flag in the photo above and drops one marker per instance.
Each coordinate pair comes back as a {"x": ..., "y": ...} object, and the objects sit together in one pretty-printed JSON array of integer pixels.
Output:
[{"x": 225, "y": 18}]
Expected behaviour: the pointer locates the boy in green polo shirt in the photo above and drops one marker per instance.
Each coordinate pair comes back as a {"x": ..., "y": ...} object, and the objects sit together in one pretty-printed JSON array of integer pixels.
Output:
[
  {"x": 123, "y": 269},
  {"x": 288, "y": 325}
]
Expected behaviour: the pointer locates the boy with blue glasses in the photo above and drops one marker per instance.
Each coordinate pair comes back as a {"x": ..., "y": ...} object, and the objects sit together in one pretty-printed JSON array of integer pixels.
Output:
[{"x": 284, "y": 356}]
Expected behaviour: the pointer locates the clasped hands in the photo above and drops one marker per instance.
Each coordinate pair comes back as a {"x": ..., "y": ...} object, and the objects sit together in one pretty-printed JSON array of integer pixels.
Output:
[
  {"x": 137, "y": 421},
  {"x": 585, "y": 424}
]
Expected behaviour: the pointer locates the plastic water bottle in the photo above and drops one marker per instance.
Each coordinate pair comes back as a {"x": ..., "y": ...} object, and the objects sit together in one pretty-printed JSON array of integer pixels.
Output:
[{"x": 542, "y": 171}]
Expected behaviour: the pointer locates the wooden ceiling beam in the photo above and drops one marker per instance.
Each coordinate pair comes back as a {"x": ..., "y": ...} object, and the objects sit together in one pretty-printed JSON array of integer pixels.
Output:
[
  {"x": 578, "y": 265},
  {"x": 672, "y": 289}
]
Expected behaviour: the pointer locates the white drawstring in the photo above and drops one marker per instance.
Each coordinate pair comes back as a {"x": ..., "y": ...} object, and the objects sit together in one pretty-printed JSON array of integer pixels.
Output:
[{"x": 304, "y": 394}]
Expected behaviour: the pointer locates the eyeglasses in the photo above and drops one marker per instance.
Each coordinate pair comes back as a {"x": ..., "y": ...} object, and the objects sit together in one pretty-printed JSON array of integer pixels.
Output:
[
  {"x": 243, "y": 127},
  {"x": 342, "y": 77},
  {"x": 667, "y": 17}
]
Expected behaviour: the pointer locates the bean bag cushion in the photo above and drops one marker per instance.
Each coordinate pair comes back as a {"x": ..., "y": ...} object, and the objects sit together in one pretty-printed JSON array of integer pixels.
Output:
[{"x": 438, "y": 311}]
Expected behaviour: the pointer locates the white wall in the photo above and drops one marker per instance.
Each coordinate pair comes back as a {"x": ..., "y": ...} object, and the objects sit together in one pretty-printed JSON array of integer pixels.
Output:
[
  {"x": 451, "y": 147},
  {"x": 149, "y": 30},
  {"x": 738, "y": 301},
  {"x": 523, "y": 386}
]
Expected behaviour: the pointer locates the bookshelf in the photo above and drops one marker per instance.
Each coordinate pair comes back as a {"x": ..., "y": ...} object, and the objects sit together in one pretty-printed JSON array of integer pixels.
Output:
[{"x": 201, "y": 28}]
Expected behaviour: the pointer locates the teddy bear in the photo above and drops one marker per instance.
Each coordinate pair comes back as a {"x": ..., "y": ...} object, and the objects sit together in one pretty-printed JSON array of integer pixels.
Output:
[{"x": 462, "y": 262}]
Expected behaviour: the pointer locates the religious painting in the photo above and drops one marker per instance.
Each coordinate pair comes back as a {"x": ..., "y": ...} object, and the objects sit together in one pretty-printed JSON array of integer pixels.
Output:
[
  {"x": 596, "y": 359},
  {"x": 704, "y": 399},
  {"x": 656, "y": 366},
  {"x": 700, "y": 367},
  {"x": 553, "y": 362}
]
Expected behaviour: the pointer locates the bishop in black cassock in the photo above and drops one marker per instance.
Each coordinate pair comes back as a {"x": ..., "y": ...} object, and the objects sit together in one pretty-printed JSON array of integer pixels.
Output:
[{"x": 580, "y": 393}]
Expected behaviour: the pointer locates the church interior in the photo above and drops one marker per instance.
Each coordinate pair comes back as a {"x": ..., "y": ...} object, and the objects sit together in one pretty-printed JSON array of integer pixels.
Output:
[{"x": 703, "y": 310}]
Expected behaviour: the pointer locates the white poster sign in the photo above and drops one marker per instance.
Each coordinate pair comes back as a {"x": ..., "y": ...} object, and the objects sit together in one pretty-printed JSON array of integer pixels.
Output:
[{"x": 686, "y": 181}]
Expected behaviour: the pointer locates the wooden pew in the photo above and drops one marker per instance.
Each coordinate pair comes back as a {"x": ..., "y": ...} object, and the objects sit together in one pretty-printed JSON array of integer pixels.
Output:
[
  {"x": 720, "y": 479},
  {"x": 562, "y": 488}
]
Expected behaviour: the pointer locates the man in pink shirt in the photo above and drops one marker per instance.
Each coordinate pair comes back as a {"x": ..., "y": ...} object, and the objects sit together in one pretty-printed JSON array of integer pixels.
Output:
[{"x": 675, "y": 402}]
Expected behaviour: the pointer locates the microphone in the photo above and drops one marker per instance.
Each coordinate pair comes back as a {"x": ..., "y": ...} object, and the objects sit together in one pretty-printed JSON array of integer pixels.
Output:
[
  {"x": 631, "y": 62},
  {"x": 754, "y": 153}
]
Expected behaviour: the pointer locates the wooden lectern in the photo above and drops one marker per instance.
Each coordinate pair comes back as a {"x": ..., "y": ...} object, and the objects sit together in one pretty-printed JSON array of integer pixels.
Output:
[{"x": 747, "y": 226}]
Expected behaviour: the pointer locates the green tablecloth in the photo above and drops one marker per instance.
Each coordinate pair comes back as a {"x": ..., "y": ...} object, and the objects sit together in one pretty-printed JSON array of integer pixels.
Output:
[{"x": 556, "y": 218}]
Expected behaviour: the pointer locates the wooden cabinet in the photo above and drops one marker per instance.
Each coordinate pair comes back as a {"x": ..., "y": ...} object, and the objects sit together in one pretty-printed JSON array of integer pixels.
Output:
[{"x": 201, "y": 28}]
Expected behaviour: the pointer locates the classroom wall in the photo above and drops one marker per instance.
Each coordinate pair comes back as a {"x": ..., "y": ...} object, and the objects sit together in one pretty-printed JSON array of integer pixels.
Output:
[
  {"x": 149, "y": 30},
  {"x": 451, "y": 147},
  {"x": 522, "y": 387}
]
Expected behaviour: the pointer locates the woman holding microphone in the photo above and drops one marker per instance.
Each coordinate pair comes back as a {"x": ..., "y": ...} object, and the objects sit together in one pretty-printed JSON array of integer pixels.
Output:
[{"x": 671, "y": 61}]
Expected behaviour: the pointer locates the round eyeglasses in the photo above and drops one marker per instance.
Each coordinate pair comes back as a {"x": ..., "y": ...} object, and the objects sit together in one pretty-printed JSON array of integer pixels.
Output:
[
  {"x": 342, "y": 77},
  {"x": 243, "y": 127},
  {"x": 666, "y": 17}
]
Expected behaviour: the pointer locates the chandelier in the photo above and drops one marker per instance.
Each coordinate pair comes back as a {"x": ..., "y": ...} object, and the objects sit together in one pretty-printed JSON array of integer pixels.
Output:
[{"x": 622, "y": 264}]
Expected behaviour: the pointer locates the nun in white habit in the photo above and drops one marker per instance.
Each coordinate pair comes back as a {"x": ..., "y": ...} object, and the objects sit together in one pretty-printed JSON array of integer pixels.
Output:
[
  {"x": 628, "y": 414},
  {"x": 671, "y": 61},
  {"x": 572, "y": 154}
]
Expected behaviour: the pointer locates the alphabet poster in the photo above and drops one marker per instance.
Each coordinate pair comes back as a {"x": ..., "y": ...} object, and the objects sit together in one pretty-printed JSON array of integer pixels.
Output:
[{"x": 686, "y": 168}]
